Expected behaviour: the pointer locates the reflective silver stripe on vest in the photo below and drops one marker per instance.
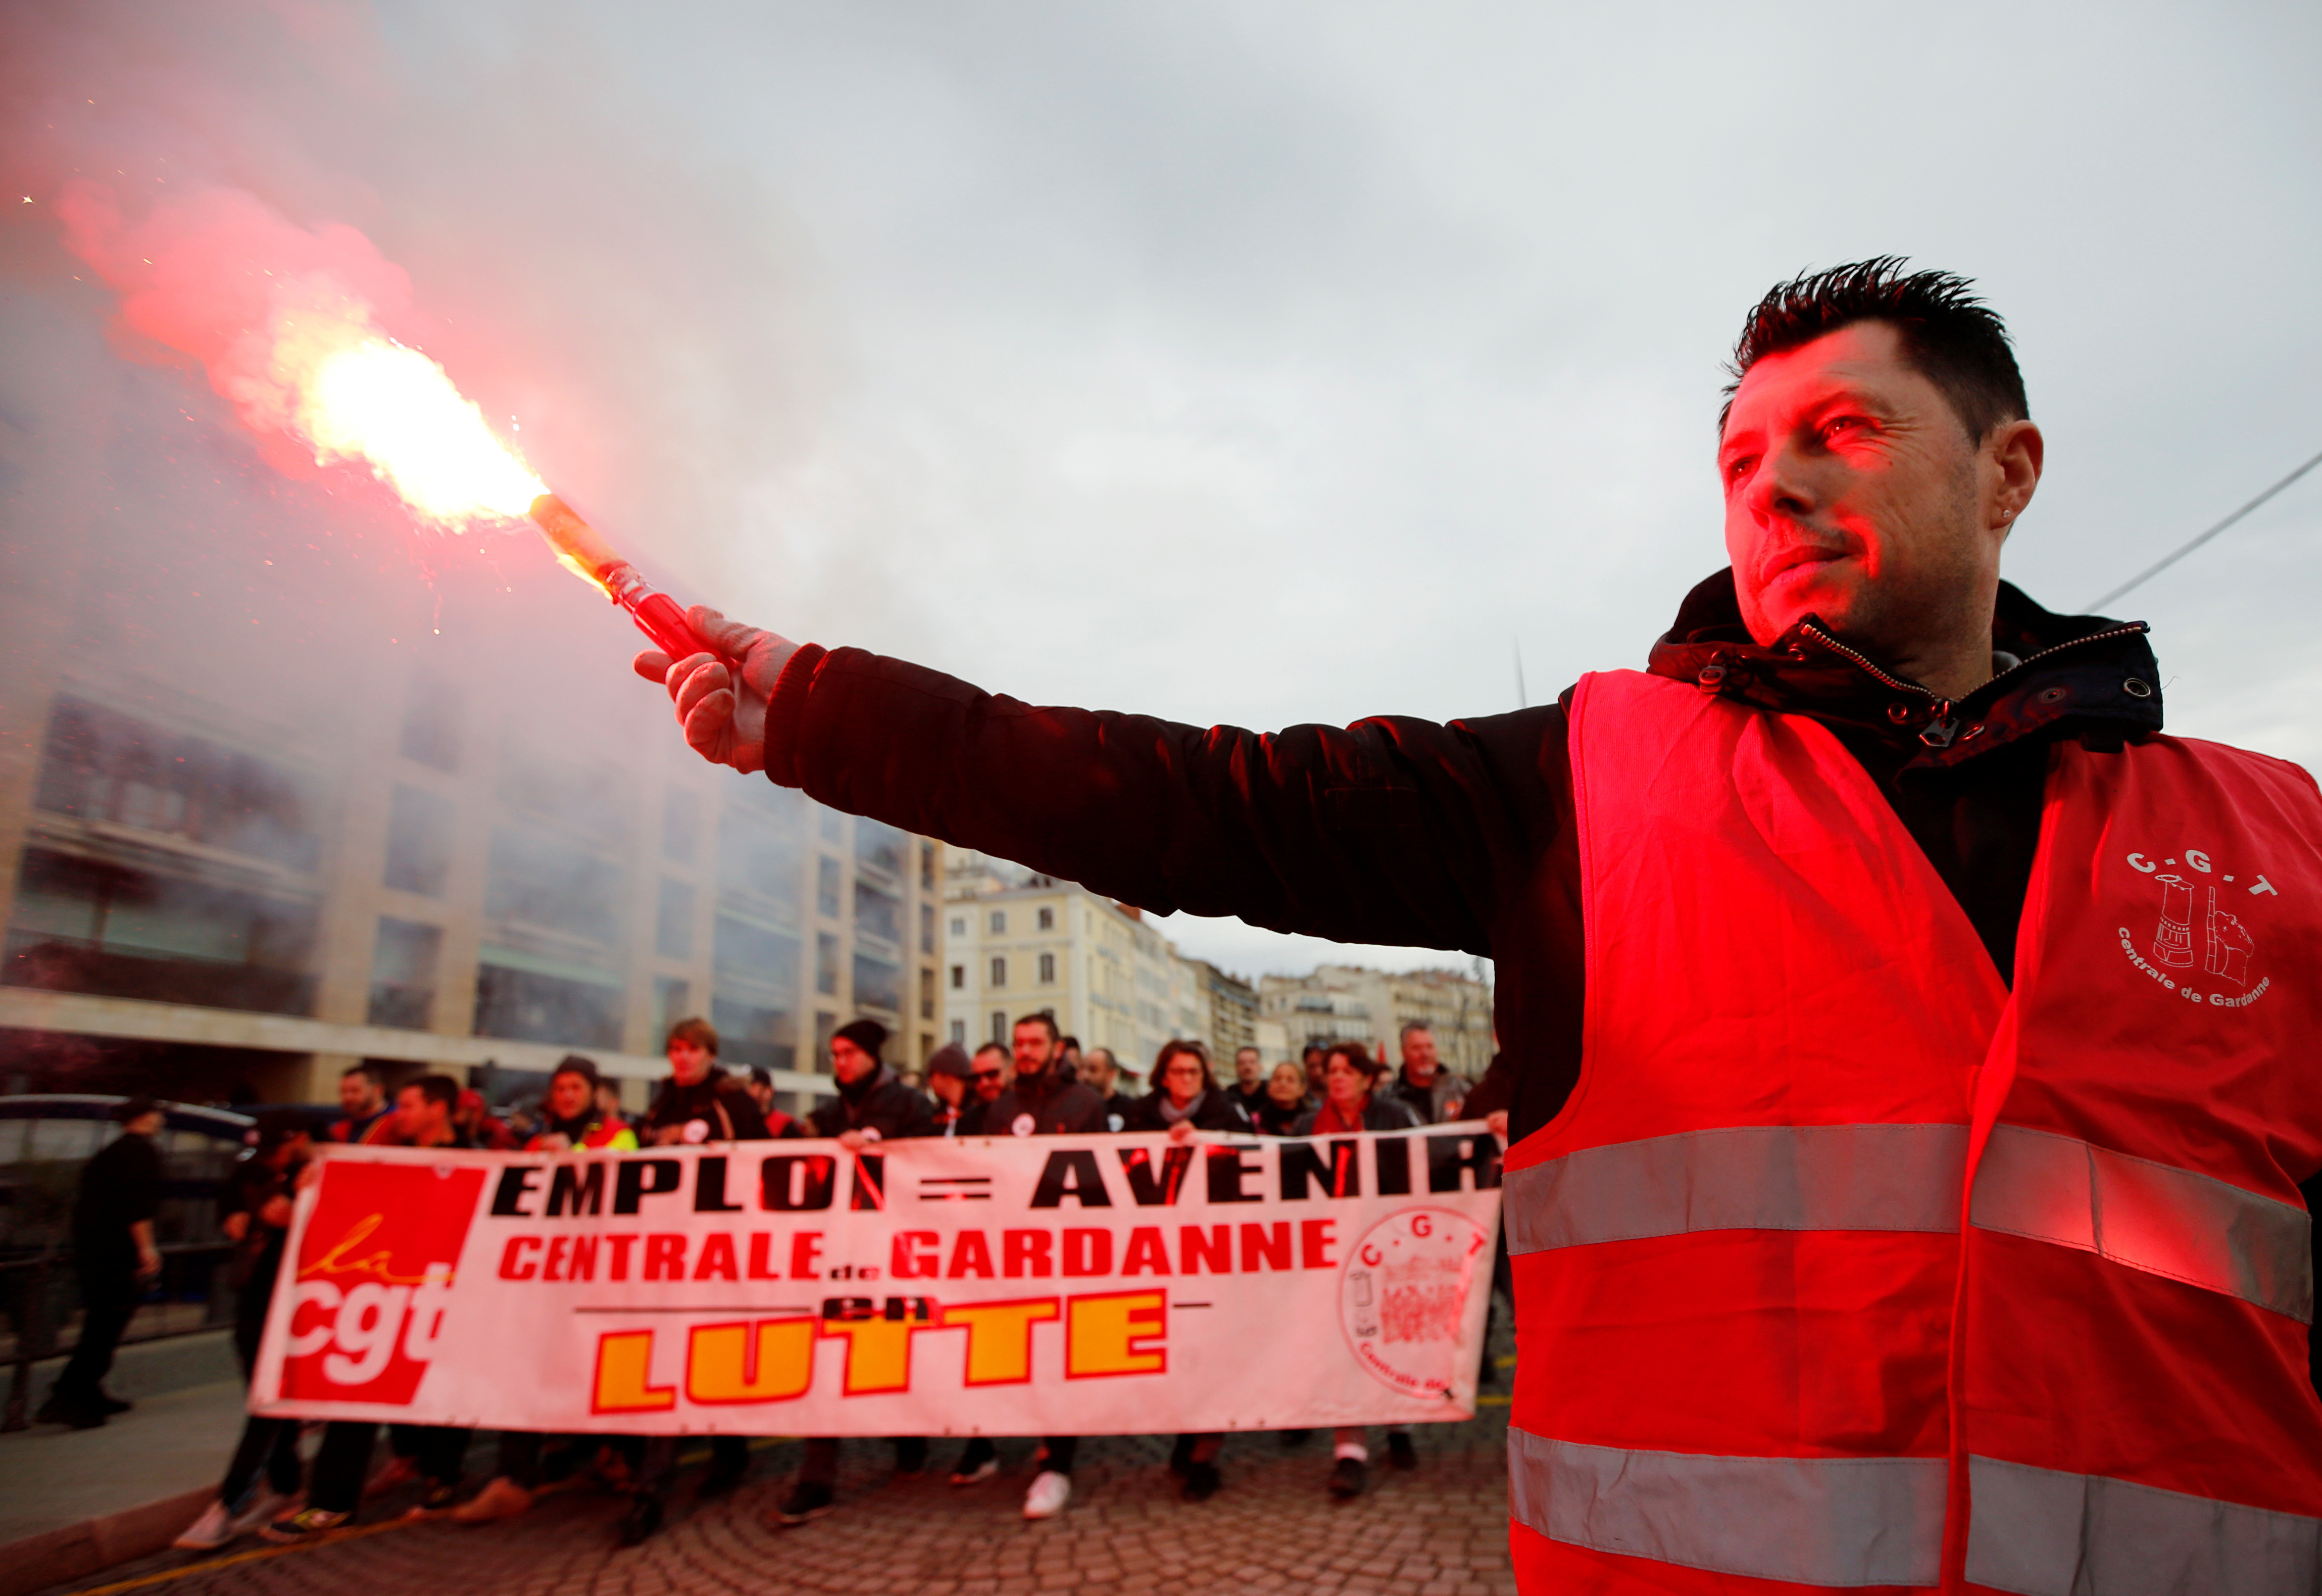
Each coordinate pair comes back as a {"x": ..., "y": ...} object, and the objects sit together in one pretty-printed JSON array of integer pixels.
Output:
[
  {"x": 1835, "y": 1521},
  {"x": 2041, "y": 1532},
  {"x": 1766, "y": 1177},
  {"x": 2147, "y": 1215},
  {"x": 2133, "y": 1211}
]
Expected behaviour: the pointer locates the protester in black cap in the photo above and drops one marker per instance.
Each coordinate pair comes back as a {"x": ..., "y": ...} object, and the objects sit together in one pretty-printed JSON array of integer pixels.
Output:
[
  {"x": 115, "y": 1259},
  {"x": 951, "y": 1077},
  {"x": 873, "y": 1107},
  {"x": 257, "y": 1200}
]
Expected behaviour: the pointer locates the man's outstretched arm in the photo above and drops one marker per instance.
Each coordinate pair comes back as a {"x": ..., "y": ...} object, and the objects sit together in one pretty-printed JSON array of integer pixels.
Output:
[{"x": 1389, "y": 831}]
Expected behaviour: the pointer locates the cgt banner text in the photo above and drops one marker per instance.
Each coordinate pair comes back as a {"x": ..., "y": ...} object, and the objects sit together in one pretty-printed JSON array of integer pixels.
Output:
[{"x": 1004, "y": 1286}]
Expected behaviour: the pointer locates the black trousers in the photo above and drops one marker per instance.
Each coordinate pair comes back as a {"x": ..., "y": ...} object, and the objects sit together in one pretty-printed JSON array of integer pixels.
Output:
[
  {"x": 270, "y": 1444},
  {"x": 108, "y": 1299},
  {"x": 345, "y": 1458}
]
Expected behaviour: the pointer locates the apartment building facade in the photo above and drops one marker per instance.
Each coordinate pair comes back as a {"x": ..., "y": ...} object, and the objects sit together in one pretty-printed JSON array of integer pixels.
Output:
[
  {"x": 1349, "y": 1003},
  {"x": 1018, "y": 944}
]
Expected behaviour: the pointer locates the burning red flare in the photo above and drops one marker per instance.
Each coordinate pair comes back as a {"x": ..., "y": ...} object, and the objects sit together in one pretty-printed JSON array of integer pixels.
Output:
[{"x": 287, "y": 322}]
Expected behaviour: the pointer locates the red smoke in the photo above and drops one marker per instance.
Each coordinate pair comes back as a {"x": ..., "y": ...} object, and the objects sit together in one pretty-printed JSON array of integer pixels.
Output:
[{"x": 211, "y": 274}]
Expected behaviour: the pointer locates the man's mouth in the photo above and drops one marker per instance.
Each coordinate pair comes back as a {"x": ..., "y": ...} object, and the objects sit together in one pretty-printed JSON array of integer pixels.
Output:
[{"x": 1800, "y": 558}]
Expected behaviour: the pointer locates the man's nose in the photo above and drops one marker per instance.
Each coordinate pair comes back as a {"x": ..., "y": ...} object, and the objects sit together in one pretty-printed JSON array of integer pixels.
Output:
[{"x": 1780, "y": 488}]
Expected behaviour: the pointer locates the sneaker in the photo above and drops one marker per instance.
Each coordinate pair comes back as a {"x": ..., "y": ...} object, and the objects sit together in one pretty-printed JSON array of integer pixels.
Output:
[
  {"x": 439, "y": 1496},
  {"x": 1400, "y": 1452},
  {"x": 805, "y": 1502},
  {"x": 208, "y": 1533},
  {"x": 1348, "y": 1475},
  {"x": 978, "y": 1474},
  {"x": 501, "y": 1498},
  {"x": 1202, "y": 1482},
  {"x": 106, "y": 1402},
  {"x": 642, "y": 1519},
  {"x": 265, "y": 1507},
  {"x": 1049, "y": 1494},
  {"x": 303, "y": 1524},
  {"x": 63, "y": 1408},
  {"x": 396, "y": 1471}
]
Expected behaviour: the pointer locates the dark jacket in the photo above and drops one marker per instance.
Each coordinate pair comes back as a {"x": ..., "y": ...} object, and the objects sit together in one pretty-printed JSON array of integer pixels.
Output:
[
  {"x": 1431, "y": 1101},
  {"x": 1381, "y": 1112},
  {"x": 119, "y": 1187},
  {"x": 1457, "y": 836},
  {"x": 880, "y": 1103},
  {"x": 1214, "y": 1109},
  {"x": 1053, "y": 1108},
  {"x": 1272, "y": 1119},
  {"x": 724, "y": 1107}
]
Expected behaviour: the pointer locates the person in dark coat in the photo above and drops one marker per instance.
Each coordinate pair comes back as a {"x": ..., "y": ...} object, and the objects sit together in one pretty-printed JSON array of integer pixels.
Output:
[
  {"x": 699, "y": 1102},
  {"x": 1100, "y": 1072},
  {"x": 257, "y": 1200},
  {"x": 1185, "y": 1093},
  {"x": 1284, "y": 1101},
  {"x": 115, "y": 1259},
  {"x": 874, "y": 1106},
  {"x": 951, "y": 1078},
  {"x": 1186, "y": 1098},
  {"x": 1351, "y": 1101}
]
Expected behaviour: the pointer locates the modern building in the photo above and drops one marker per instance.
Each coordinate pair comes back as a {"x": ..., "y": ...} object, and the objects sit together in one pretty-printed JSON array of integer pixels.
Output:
[
  {"x": 1232, "y": 1005},
  {"x": 1016, "y": 942},
  {"x": 287, "y": 783},
  {"x": 1349, "y": 1003}
]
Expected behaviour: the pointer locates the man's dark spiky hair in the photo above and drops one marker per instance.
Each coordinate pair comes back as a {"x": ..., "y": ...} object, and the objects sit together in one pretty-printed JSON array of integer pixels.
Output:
[{"x": 1950, "y": 336}]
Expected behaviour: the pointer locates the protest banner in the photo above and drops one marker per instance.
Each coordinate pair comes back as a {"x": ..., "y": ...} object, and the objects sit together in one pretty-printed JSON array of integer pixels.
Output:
[{"x": 993, "y": 1285}]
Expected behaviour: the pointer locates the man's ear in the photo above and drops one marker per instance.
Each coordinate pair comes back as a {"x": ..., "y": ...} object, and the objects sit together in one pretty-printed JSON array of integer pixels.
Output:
[{"x": 2017, "y": 451}]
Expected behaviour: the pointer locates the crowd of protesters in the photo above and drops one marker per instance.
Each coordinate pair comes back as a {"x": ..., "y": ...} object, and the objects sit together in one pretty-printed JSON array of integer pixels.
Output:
[{"x": 1042, "y": 1084}]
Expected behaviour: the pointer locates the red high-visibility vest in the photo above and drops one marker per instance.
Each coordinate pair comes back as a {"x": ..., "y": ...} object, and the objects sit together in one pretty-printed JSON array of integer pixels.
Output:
[{"x": 1755, "y": 1353}]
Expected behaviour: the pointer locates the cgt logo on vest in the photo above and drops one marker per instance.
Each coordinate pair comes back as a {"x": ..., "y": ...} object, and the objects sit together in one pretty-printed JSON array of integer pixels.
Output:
[
  {"x": 375, "y": 1270},
  {"x": 2200, "y": 932}
]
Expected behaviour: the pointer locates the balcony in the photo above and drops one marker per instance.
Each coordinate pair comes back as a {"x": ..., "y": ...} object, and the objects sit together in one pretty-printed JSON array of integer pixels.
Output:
[{"x": 64, "y": 964}]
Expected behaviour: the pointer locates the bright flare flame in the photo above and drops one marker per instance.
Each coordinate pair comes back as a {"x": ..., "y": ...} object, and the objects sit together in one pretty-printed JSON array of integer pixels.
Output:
[{"x": 355, "y": 394}]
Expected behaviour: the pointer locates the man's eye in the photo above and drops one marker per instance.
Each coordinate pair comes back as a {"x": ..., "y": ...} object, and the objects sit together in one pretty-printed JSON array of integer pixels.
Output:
[
  {"x": 1842, "y": 424},
  {"x": 1738, "y": 467}
]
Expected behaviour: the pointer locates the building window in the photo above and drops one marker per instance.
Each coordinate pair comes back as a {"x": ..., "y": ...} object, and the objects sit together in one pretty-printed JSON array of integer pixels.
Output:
[
  {"x": 926, "y": 927},
  {"x": 959, "y": 925},
  {"x": 1048, "y": 919},
  {"x": 959, "y": 978},
  {"x": 826, "y": 964},
  {"x": 826, "y": 886},
  {"x": 999, "y": 922},
  {"x": 959, "y": 1033},
  {"x": 1000, "y": 972},
  {"x": 534, "y": 1006},
  {"x": 1000, "y": 1026},
  {"x": 418, "y": 843},
  {"x": 536, "y": 879},
  {"x": 673, "y": 920},
  {"x": 878, "y": 984},
  {"x": 673, "y": 997},
  {"x": 927, "y": 993},
  {"x": 878, "y": 912},
  {"x": 1047, "y": 967},
  {"x": 681, "y": 826},
  {"x": 431, "y": 722},
  {"x": 832, "y": 825},
  {"x": 880, "y": 849},
  {"x": 403, "y": 974},
  {"x": 927, "y": 867}
]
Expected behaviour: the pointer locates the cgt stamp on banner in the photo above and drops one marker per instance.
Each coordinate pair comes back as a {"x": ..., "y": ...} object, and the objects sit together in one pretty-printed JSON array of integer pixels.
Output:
[{"x": 1005, "y": 1286}]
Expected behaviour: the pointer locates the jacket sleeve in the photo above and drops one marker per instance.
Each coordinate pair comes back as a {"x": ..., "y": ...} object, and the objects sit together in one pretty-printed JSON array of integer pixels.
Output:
[{"x": 1389, "y": 831}]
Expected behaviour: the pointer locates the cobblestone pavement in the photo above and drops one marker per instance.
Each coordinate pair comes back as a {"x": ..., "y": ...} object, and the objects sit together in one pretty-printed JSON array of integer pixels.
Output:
[{"x": 1440, "y": 1531}]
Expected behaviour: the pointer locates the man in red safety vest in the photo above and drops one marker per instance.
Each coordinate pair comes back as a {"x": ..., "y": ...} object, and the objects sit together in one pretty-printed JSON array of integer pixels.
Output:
[{"x": 1910, "y": 1042}]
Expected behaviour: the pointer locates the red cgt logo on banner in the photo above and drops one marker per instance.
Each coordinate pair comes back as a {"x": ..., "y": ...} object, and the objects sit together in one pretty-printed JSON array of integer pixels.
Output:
[{"x": 374, "y": 1275}]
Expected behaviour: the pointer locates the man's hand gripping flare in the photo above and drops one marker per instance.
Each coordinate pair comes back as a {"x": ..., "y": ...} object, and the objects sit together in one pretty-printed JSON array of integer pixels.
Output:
[{"x": 725, "y": 722}]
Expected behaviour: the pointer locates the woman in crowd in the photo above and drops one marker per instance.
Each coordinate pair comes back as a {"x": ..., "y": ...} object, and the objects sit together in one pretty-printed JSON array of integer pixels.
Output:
[
  {"x": 1350, "y": 1102},
  {"x": 1184, "y": 1093},
  {"x": 1186, "y": 1099},
  {"x": 1283, "y": 1102},
  {"x": 572, "y": 1119}
]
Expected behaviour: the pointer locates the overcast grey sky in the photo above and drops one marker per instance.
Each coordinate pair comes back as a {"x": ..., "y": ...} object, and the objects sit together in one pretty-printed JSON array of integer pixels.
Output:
[{"x": 1261, "y": 363}]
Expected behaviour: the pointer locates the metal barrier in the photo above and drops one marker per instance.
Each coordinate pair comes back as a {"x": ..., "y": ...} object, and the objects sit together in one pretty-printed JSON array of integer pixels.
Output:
[{"x": 31, "y": 1290}]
